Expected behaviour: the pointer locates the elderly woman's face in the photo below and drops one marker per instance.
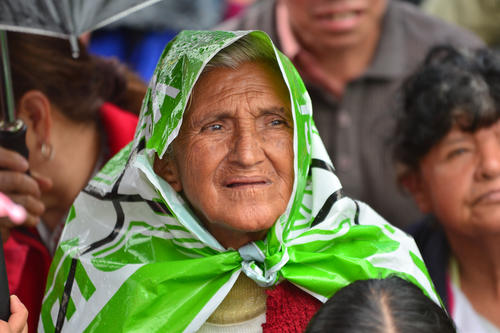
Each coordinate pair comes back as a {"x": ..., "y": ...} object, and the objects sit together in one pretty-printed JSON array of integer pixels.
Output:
[
  {"x": 233, "y": 157},
  {"x": 460, "y": 181}
]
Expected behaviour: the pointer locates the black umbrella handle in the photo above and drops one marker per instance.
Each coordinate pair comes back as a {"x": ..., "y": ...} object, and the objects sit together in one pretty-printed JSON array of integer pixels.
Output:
[{"x": 12, "y": 137}]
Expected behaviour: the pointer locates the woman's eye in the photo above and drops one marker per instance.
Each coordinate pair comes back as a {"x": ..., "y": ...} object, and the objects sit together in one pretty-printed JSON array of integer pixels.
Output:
[
  {"x": 278, "y": 122},
  {"x": 212, "y": 127},
  {"x": 456, "y": 152}
]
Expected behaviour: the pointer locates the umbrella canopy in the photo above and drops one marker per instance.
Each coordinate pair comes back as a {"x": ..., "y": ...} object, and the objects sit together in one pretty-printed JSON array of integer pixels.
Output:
[
  {"x": 57, "y": 18},
  {"x": 65, "y": 18}
]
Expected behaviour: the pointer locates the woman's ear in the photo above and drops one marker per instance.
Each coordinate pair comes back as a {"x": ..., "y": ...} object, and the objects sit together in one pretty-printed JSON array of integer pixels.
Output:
[
  {"x": 34, "y": 109},
  {"x": 412, "y": 182},
  {"x": 167, "y": 169}
]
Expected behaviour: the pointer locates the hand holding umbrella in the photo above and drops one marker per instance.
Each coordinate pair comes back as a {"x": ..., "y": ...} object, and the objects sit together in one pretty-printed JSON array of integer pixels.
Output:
[{"x": 17, "y": 322}]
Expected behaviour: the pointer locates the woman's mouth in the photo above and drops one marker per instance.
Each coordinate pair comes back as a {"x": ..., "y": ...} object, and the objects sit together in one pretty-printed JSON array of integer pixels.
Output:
[
  {"x": 246, "y": 182},
  {"x": 490, "y": 197}
]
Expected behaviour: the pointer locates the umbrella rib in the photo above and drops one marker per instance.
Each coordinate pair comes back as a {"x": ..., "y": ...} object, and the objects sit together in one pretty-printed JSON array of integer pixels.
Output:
[
  {"x": 37, "y": 31},
  {"x": 124, "y": 13}
]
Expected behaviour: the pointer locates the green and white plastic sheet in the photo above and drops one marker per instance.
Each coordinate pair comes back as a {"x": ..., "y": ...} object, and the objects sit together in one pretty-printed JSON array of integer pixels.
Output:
[{"x": 133, "y": 256}]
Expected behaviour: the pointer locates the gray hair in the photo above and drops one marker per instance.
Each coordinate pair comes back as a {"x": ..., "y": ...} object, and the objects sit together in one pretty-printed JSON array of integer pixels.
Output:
[{"x": 249, "y": 48}]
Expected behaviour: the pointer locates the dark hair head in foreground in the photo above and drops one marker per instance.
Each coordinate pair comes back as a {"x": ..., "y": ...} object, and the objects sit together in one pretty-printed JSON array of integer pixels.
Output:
[
  {"x": 452, "y": 87},
  {"x": 390, "y": 305}
]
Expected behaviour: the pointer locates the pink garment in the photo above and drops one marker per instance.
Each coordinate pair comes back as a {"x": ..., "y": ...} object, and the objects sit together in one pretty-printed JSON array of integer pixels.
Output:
[{"x": 14, "y": 212}]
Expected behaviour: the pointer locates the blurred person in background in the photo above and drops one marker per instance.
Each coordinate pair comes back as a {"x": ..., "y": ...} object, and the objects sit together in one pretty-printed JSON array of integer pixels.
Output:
[
  {"x": 447, "y": 145},
  {"x": 72, "y": 130},
  {"x": 353, "y": 55}
]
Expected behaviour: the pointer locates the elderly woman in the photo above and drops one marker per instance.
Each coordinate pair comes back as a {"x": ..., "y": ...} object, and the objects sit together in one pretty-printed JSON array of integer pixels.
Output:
[
  {"x": 448, "y": 148},
  {"x": 224, "y": 213}
]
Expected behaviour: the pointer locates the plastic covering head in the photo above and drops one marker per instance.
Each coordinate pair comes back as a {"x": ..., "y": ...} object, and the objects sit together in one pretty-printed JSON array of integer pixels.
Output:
[{"x": 130, "y": 238}]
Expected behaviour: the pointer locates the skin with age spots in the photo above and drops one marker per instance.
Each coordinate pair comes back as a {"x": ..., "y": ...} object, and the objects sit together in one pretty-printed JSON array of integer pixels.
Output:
[
  {"x": 233, "y": 157},
  {"x": 460, "y": 181}
]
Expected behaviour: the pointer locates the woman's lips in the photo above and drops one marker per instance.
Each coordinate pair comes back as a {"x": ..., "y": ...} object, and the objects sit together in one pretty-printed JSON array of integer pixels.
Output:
[
  {"x": 490, "y": 197},
  {"x": 245, "y": 182}
]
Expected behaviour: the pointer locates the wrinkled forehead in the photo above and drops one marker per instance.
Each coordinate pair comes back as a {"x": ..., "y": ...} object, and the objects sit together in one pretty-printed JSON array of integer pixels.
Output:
[
  {"x": 182, "y": 65},
  {"x": 252, "y": 82}
]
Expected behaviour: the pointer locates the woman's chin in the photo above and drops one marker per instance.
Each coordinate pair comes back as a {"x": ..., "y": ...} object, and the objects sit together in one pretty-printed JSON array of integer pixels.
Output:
[
  {"x": 489, "y": 228},
  {"x": 242, "y": 218},
  {"x": 236, "y": 230},
  {"x": 479, "y": 226},
  {"x": 235, "y": 234},
  {"x": 246, "y": 226},
  {"x": 487, "y": 219}
]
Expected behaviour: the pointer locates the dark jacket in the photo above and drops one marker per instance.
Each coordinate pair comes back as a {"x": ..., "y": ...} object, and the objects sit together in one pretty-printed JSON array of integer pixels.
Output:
[{"x": 433, "y": 246}]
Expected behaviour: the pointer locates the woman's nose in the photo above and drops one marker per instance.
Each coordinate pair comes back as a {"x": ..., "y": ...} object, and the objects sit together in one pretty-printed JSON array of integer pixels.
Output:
[
  {"x": 490, "y": 158},
  {"x": 247, "y": 150}
]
